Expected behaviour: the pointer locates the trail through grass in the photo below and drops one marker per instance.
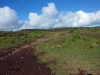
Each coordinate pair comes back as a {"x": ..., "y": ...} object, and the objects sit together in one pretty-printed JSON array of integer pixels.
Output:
[
  {"x": 8, "y": 39},
  {"x": 66, "y": 51}
]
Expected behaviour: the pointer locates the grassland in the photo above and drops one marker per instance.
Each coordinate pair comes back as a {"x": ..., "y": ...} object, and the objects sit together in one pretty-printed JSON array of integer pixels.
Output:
[
  {"x": 71, "y": 51},
  {"x": 10, "y": 38}
]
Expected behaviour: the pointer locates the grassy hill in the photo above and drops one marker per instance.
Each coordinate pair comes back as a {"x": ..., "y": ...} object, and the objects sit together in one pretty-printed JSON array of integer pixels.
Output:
[
  {"x": 11, "y": 38},
  {"x": 71, "y": 51}
]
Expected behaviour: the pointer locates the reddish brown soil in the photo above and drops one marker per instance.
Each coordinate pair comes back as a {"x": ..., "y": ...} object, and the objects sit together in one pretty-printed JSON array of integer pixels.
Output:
[
  {"x": 23, "y": 62},
  {"x": 20, "y": 60}
]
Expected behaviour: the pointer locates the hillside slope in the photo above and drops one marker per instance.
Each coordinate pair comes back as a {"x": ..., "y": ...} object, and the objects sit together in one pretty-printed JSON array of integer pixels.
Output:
[{"x": 64, "y": 51}]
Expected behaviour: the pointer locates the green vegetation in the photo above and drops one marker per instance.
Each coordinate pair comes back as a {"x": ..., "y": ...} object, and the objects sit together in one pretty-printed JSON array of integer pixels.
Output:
[
  {"x": 72, "y": 49},
  {"x": 20, "y": 37}
]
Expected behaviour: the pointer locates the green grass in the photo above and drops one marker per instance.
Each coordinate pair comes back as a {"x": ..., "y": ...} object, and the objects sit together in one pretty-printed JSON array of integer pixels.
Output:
[
  {"x": 71, "y": 50},
  {"x": 20, "y": 37}
]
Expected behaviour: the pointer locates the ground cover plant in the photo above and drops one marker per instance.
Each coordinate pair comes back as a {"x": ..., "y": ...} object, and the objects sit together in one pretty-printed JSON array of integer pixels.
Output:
[
  {"x": 66, "y": 51},
  {"x": 76, "y": 51},
  {"x": 10, "y": 38}
]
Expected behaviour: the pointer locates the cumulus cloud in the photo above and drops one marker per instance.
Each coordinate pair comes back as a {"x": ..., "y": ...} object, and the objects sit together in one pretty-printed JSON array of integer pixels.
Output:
[
  {"x": 50, "y": 18},
  {"x": 45, "y": 19},
  {"x": 77, "y": 19},
  {"x": 8, "y": 19}
]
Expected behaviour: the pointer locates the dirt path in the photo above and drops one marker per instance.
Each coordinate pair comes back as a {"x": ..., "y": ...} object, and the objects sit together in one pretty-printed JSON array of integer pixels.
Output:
[
  {"x": 12, "y": 50},
  {"x": 23, "y": 63},
  {"x": 21, "y": 60}
]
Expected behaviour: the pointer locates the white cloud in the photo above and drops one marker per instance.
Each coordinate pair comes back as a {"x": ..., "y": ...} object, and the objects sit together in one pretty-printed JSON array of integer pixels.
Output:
[
  {"x": 45, "y": 19},
  {"x": 77, "y": 19},
  {"x": 8, "y": 19},
  {"x": 50, "y": 18}
]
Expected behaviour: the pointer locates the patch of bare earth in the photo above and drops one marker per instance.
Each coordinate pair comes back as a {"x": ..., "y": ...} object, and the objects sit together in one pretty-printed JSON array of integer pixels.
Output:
[
  {"x": 23, "y": 62},
  {"x": 20, "y": 60}
]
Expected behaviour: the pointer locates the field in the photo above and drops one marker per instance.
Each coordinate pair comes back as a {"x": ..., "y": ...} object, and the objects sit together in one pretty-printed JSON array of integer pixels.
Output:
[
  {"x": 11, "y": 38},
  {"x": 66, "y": 51}
]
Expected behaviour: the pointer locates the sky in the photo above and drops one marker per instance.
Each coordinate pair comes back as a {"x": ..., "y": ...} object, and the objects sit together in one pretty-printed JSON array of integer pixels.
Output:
[{"x": 46, "y": 14}]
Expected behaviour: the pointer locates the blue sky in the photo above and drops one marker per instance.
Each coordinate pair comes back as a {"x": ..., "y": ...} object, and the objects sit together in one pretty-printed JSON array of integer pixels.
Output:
[
  {"x": 24, "y": 7},
  {"x": 27, "y": 8}
]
